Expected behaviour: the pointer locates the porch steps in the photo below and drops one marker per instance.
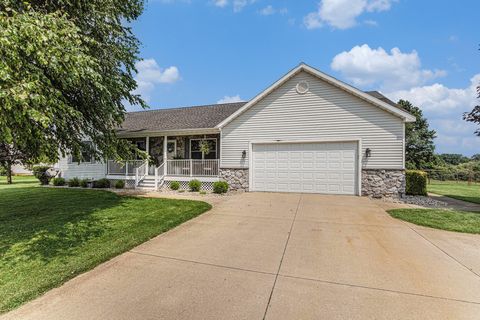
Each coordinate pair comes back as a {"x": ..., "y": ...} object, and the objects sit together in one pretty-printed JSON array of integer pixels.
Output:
[{"x": 147, "y": 184}]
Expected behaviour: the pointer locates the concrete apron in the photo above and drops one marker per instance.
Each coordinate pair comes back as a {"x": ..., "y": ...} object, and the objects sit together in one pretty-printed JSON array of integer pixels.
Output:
[{"x": 280, "y": 256}]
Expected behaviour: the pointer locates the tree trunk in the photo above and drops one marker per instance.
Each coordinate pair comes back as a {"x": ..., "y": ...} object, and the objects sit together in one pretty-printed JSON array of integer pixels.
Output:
[{"x": 9, "y": 172}]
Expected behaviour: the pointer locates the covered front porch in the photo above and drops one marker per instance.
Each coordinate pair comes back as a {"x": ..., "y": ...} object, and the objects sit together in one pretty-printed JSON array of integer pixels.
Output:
[{"x": 179, "y": 157}]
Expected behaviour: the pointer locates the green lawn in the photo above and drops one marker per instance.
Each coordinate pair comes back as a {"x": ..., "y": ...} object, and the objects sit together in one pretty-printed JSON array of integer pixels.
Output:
[
  {"x": 18, "y": 181},
  {"x": 451, "y": 220},
  {"x": 49, "y": 235},
  {"x": 458, "y": 190}
]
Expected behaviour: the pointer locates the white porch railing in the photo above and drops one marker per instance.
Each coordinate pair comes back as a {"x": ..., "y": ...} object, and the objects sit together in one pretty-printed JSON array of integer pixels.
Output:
[
  {"x": 124, "y": 168},
  {"x": 141, "y": 172},
  {"x": 193, "y": 168},
  {"x": 159, "y": 175}
]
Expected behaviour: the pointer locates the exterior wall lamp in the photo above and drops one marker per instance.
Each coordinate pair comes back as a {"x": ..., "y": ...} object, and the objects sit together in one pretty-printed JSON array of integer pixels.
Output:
[
  {"x": 368, "y": 153},
  {"x": 244, "y": 154}
]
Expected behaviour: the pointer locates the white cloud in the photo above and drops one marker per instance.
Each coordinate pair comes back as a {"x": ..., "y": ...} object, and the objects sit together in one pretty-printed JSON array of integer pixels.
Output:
[
  {"x": 230, "y": 99},
  {"x": 267, "y": 11},
  {"x": 342, "y": 14},
  {"x": 438, "y": 99},
  {"x": 270, "y": 10},
  {"x": 365, "y": 66},
  {"x": 444, "y": 107},
  {"x": 237, "y": 5},
  {"x": 149, "y": 74},
  {"x": 220, "y": 3}
]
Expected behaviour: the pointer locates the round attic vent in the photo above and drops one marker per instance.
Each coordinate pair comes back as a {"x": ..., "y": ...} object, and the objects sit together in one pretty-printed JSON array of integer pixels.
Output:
[{"x": 302, "y": 87}]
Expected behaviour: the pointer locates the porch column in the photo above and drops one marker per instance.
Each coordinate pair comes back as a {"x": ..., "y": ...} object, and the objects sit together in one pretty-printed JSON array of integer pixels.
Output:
[{"x": 165, "y": 140}]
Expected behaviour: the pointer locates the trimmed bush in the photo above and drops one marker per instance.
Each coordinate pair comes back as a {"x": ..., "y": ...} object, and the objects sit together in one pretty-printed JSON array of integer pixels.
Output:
[
  {"x": 74, "y": 182},
  {"x": 416, "y": 182},
  {"x": 84, "y": 183},
  {"x": 120, "y": 184},
  {"x": 42, "y": 174},
  {"x": 220, "y": 187},
  {"x": 58, "y": 182},
  {"x": 194, "y": 185},
  {"x": 101, "y": 183},
  {"x": 174, "y": 185}
]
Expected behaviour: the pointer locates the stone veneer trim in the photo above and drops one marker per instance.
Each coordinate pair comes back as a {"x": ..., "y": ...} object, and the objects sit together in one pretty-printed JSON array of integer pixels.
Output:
[
  {"x": 237, "y": 178},
  {"x": 380, "y": 183}
]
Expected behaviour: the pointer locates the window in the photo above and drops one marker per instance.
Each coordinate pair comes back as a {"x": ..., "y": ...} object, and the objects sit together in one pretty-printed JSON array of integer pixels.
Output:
[
  {"x": 195, "y": 152},
  {"x": 86, "y": 154}
]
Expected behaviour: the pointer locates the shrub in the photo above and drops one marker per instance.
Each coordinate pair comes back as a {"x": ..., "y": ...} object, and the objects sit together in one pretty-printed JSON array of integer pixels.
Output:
[
  {"x": 174, "y": 185},
  {"x": 220, "y": 187},
  {"x": 3, "y": 171},
  {"x": 101, "y": 183},
  {"x": 416, "y": 183},
  {"x": 58, "y": 181},
  {"x": 120, "y": 184},
  {"x": 42, "y": 174},
  {"x": 74, "y": 182},
  {"x": 84, "y": 183},
  {"x": 194, "y": 185}
]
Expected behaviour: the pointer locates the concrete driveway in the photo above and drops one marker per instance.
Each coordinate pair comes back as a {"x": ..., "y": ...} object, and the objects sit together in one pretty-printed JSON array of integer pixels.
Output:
[{"x": 281, "y": 256}]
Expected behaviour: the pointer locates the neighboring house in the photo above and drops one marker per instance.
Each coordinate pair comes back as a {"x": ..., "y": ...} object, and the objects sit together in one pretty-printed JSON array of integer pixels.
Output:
[{"x": 308, "y": 132}]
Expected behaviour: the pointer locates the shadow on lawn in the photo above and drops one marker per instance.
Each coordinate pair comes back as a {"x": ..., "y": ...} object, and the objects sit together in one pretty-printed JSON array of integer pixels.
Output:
[{"x": 41, "y": 223}]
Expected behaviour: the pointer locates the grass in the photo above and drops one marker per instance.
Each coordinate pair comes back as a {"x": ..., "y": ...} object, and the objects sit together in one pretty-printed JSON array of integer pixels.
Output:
[
  {"x": 457, "y": 190},
  {"x": 18, "y": 181},
  {"x": 451, "y": 220},
  {"x": 49, "y": 235}
]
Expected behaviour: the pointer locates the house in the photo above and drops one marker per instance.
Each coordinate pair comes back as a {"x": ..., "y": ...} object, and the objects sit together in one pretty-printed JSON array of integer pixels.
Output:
[{"x": 307, "y": 132}]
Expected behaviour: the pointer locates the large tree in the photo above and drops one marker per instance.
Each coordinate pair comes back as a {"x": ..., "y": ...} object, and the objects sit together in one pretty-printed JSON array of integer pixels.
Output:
[
  {"x": 419, "y": 145},
  {"x": 66, "y": 69}
]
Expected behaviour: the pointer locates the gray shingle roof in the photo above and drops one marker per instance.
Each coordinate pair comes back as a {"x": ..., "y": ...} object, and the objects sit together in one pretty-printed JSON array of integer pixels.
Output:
[{"x": 197, "y": 117}]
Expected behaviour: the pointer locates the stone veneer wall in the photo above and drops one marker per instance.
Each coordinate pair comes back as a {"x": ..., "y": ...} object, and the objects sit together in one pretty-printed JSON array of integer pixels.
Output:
[
  {"x": 237, "y": 178},
  {"x": 381, "y": 183}
]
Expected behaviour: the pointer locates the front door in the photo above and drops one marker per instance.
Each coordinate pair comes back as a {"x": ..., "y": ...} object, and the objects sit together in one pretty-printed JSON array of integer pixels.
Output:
[{"x": 171, "y": 149}]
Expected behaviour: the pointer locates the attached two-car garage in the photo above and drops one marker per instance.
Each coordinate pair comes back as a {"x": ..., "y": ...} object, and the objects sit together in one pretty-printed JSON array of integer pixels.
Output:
[{"x": 313, "y": 167}]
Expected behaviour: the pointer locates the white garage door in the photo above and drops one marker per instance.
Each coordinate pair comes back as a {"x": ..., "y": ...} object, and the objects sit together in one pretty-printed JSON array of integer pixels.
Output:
[{"x": 329, "y": 168}]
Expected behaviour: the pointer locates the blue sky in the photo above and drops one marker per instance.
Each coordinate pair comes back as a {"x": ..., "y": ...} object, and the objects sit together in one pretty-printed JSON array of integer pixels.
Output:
[{"x": 205, "y": 51}]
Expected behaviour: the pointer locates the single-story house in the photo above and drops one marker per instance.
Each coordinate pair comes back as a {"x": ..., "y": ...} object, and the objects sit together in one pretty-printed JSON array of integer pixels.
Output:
[{"x": 307, "y": 132}]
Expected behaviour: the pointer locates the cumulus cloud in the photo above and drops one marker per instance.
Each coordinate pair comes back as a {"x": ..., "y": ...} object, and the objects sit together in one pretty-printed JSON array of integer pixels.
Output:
[
  {"x": 220, "y": 3},
  {"x": 367, "y": 67},
  {"x": 149, "y": 74},
  {"x": 342, "y": 14},
  {"x": 444, "y": 107},
  {"x": 237, "y": 5},
  {"x": 441, "y": 100},
  {"x": 230, "y": 99}
]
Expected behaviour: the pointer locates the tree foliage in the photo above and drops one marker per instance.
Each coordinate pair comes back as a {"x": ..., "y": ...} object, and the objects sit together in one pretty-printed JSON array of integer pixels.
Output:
[
  {"x": 474, "y": 115},
  {"x": 454, "y": 158},
  {"x": 419, "y": 144},
  {"x": 67, "y": 67}
]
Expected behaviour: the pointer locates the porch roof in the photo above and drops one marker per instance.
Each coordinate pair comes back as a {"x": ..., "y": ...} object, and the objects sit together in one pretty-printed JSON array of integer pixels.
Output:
[{"x": 197, "y": 117}]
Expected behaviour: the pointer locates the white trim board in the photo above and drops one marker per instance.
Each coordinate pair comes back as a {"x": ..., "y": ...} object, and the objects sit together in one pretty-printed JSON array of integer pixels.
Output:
[{"x": 407, "y": 117}]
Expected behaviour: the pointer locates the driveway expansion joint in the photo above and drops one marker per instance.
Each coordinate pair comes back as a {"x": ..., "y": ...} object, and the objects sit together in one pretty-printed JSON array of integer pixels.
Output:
[
  {"x": 199, "y": 262},
  {"x": 283, "y": 255},
  {"x": 379, "y": 289}
]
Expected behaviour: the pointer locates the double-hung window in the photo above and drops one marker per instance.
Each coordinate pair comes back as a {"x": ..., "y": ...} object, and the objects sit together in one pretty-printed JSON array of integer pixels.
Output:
[{"x": 196, "y": 152}]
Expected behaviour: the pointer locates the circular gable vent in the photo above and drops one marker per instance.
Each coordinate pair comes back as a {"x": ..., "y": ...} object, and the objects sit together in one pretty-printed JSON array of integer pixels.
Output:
[{"x": 302, "y": 87}]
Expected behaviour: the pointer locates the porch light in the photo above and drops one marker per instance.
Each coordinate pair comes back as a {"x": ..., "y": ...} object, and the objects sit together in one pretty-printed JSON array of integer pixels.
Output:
[
  {"x": 244, "y": 154},
  {"x": 368, "y": 153}
]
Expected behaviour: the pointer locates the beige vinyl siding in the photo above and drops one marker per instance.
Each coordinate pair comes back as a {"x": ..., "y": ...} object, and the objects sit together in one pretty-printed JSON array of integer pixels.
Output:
[
  {"x": 83, "y": 170},
  {"x": 325, "y": 112}
]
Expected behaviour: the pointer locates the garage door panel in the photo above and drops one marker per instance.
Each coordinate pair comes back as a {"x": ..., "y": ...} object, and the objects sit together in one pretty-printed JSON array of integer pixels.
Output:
[{"x": 305, "y": 167}]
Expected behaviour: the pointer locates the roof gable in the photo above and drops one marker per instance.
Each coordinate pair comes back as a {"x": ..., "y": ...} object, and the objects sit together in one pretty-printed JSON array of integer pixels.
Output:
[{"x": 372, "y": 97}]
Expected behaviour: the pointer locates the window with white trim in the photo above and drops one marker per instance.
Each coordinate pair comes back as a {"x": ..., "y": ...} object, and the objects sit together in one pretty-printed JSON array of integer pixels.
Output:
[{"x": 195, "y": 148}]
